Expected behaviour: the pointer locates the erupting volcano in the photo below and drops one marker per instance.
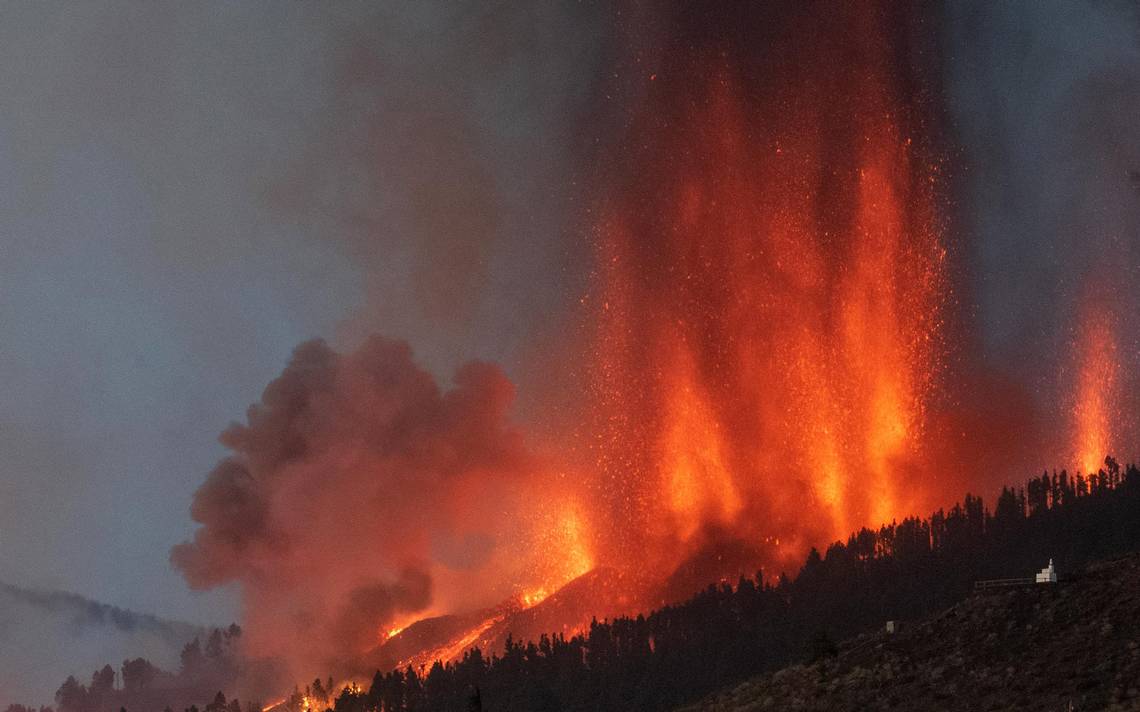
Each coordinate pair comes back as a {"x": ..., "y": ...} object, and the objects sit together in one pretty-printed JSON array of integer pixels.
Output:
[
  {"x": 771, "y": 280},
  {"x": 767, "y": 359},
  {"x": 594, "y": 356}
]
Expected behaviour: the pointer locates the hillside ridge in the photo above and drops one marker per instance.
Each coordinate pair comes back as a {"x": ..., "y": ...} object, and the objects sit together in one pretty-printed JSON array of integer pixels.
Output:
[{"x": 1073, "y": 645}]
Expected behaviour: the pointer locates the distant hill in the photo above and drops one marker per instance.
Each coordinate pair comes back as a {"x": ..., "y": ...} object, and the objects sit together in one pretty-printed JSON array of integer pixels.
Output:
[
  {"x": 1035, "y": 647},
  {"x": 47, "y": 635}
]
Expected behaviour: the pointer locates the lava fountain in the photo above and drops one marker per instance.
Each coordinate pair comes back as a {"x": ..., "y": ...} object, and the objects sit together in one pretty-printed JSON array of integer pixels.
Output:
[
  {"x": 1096, "y": 413},
  {"x": 769, "y": 294}
]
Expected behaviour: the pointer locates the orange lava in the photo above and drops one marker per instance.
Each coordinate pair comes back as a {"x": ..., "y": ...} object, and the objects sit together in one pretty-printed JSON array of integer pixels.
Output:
[
  {"x": 533, "y": 597},
  {"x": 769, "y": 298},
  {"x": 560, "y": 549},
  {"x": 1096, "y": 412},
  {"x": 476, "y": 636},
  {"x": 393, "y": 632}
]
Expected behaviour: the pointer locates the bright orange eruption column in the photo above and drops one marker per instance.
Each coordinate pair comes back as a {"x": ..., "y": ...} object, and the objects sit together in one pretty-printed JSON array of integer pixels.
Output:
[{"x": 769, "y": 290}]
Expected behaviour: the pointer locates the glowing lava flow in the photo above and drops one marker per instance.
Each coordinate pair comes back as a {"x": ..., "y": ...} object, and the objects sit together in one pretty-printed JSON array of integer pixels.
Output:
[
  {"x": 393, "y": 632},
  {"x": 454, "y": 649},
  {"x": 533, "y": 597},
  {"x": 480, "y": 634}
]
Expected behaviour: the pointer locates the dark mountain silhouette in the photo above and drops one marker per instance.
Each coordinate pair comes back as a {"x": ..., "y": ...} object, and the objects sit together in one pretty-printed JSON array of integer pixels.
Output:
[
  {"x": 86, "y": 613},
  {"x": 601, "y": 593}
]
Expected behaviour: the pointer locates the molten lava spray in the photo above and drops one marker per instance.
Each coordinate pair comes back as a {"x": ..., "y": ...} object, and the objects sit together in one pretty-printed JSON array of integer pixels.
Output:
[
  {"x": 1100, "y": 424},
  {"x": 769, "y": 294}
]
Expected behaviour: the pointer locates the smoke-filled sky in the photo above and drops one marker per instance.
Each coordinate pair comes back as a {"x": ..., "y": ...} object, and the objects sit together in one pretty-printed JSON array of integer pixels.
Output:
[{"x": 188, "y": 191}]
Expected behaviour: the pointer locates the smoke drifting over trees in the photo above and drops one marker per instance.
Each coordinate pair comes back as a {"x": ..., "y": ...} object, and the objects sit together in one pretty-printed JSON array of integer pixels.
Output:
[
  {"x": 45, "y": 633},
  {"x": 740, "y": 626},
  {"x": 187, "y": 192}
]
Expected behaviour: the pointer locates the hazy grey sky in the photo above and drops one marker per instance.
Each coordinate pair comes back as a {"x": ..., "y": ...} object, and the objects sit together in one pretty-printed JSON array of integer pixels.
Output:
[
  {"x": 146, "y": 292},
  {"x": 1044, "y": 97},
  {"x": 188, "y": 190}
]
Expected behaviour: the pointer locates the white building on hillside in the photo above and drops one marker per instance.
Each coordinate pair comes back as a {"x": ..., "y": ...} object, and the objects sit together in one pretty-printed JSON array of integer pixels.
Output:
[{"x": 1047, "y": 574}]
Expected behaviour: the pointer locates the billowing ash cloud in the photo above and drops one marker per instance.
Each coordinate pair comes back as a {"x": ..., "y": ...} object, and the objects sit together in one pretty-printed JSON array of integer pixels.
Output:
[{"x": 355, "y": 484}]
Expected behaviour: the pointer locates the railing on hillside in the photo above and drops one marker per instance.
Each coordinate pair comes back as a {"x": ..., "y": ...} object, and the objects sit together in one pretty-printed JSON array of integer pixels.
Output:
[{"x": 1001, "y": 583}]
